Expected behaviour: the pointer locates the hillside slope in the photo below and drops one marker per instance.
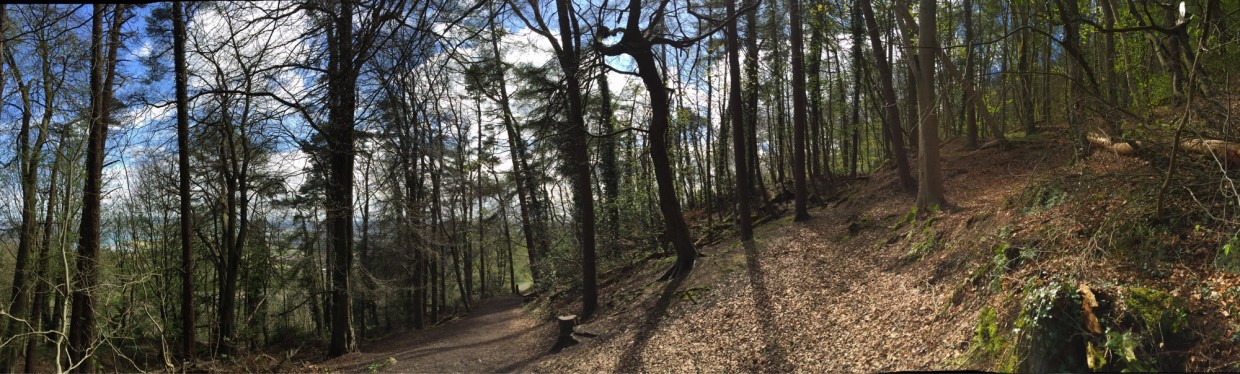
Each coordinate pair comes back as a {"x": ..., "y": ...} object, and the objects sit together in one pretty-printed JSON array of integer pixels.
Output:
[{"x": 868, "y": 286}]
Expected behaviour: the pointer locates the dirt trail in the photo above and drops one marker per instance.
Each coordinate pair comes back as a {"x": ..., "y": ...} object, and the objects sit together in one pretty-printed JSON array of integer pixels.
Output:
[{"x": 497, "y": 337}]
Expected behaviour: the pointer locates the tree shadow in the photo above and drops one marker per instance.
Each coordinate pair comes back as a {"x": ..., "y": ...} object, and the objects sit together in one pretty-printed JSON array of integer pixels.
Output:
[
  {"x": 631, "y": 361},
  {"x": 775, "y": 353}
]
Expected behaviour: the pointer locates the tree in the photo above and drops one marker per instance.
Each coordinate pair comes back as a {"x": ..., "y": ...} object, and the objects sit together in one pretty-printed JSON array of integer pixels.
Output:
[
  {"x": 798, "y": 111},
  {"x": 103, "y": 72},
  {"x": 579, "y": 157},
  {"x": 183, "y": 178},
  {"x": 576, "y": 147},
  {"x": 348, "y": 51},
  {"x": 736, "y": 113},
  {"x": 930, "y": 188},
  {"x": 41, "y": 91},
  {"x": 639, "y": 44},
  {"x": 891, "y": 127},
  {"x": 970, "y": 113},
  {"x": 28, "y": 160}
]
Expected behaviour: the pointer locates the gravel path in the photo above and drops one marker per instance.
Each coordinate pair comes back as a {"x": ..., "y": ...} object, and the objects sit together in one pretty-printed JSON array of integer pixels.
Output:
[{"x": 496, "y": 337}]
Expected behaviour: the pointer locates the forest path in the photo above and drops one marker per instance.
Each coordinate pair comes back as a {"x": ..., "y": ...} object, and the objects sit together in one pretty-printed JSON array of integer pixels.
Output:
[{"x": 497, "y": 336}]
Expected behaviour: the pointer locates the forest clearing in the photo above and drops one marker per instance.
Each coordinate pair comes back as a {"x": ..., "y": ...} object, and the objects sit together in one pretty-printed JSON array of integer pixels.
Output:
[{"x": 363, "y": 186}]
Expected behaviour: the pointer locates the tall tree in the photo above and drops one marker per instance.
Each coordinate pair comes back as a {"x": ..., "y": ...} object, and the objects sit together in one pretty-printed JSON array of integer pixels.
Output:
[
  {"x": 1069, "y": 14},
  {"x": 798, "y": 111},
  {"x": 930, "y": 188},
  {"x": 576, "y": 154},
  {"x": 532, "y": 226},
  {"x": 86, "y": 279},
  {"x": 736, "y": 115},
  {"x": 579, "y": 156},
  {"x": 28, "y": 161},
  {"x": 348, "y": 51},
  {"x": 1026, "y": 75},
  {"x": 608, "y": 169},
  {"x": 183, "y": 178},
  {"x": 41, "y": 91},
  {"x": 751, "y": 121}
]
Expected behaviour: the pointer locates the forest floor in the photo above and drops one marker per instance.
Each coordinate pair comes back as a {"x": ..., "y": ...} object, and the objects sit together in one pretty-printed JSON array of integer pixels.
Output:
[
  {"x": 869, "y": 285},
  {"x": 847, "y": 291}
]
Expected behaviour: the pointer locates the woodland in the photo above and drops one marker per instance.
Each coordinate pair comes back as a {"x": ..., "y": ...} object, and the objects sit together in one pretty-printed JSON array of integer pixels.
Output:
[{"x": 627, "y": 186}]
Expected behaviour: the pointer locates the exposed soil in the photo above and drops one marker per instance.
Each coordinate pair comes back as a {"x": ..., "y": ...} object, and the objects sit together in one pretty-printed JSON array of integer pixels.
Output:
[{"x": 497, "y": 336}]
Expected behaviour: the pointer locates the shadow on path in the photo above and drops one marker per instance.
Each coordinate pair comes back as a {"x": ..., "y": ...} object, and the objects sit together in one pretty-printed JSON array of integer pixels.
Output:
[
  {"x": 631, "y": 361},
  {"x": 775, "y": 354}
]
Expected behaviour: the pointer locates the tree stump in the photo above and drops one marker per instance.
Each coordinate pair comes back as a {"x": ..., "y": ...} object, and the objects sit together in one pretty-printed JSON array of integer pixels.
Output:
[{"x": 568, "y": 324}]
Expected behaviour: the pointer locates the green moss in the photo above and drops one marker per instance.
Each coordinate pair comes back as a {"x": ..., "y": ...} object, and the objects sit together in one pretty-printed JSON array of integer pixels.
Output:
[
  {"x": 1159, "y": 312},
  {"x": 928, "y": 242},
  {"x": 987, "y": 338}
]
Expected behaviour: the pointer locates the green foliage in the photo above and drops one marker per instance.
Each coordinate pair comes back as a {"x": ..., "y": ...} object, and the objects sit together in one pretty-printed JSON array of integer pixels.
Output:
[
  {"x": 1228, "y": 256},
  {"x": 1122, "y": 348},
  {"x": 1039, "y": 197},
  {"x": 1046, "y": 331},
  {"x": 929, "y": 240}
]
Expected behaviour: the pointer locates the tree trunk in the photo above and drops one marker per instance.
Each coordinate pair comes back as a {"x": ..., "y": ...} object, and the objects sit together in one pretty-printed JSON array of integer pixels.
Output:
[
  {"x": 751, "y": 122},
  {"x": 28, "y": 159},
  {"x": 578, "y": 157},
  {"x": 798, "y": 112},
  {"x": 342, "y": 98},
  {"x": 41, "y": 291},
  {"x": 609, "y": 170},
  {"x": 183, "y": 179},
  {"x": 1068, "y": 14},
  {"x": 970, "y": 113},
  {"x": 1026, "y": 75},
  {"x": 635, "y": 44},
  {"x": 735, "y": 112},
  {"x": 930, "y": 190},
  {"x": 523, "y": 176}
]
